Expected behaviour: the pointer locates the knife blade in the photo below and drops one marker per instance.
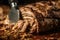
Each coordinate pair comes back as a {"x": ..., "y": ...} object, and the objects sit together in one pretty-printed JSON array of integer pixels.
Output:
[{"x": 14, "y": 13}]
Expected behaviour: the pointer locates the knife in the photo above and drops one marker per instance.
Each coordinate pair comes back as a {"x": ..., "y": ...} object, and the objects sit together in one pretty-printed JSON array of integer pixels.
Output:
[{"x": 14, "y": 13}]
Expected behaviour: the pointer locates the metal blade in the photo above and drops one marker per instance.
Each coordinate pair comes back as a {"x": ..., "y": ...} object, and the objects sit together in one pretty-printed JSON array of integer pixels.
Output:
[{"x": 14, "y": 15}]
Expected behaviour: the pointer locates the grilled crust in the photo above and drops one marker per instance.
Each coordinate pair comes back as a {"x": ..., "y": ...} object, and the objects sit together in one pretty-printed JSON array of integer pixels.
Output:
[
  {"x": 37, "y": 17},
  {"x": 46, "y": 16}
]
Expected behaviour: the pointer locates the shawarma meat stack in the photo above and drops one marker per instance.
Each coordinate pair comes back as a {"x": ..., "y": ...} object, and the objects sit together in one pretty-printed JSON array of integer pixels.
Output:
[{"x": 37, "y": 17}]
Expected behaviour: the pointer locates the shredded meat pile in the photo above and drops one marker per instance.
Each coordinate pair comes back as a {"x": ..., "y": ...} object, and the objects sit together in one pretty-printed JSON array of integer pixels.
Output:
[{"x": 38, "y": 18}]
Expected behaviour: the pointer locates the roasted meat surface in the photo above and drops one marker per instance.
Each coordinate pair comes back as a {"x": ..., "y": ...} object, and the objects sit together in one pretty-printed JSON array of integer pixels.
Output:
[{"x": 41, "y": 21}]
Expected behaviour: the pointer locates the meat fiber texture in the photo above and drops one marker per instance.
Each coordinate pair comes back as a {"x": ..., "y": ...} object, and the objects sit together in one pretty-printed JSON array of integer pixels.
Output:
[
  {"x": 46, "y": 14},
  {"x": 38, "y": 18}
]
